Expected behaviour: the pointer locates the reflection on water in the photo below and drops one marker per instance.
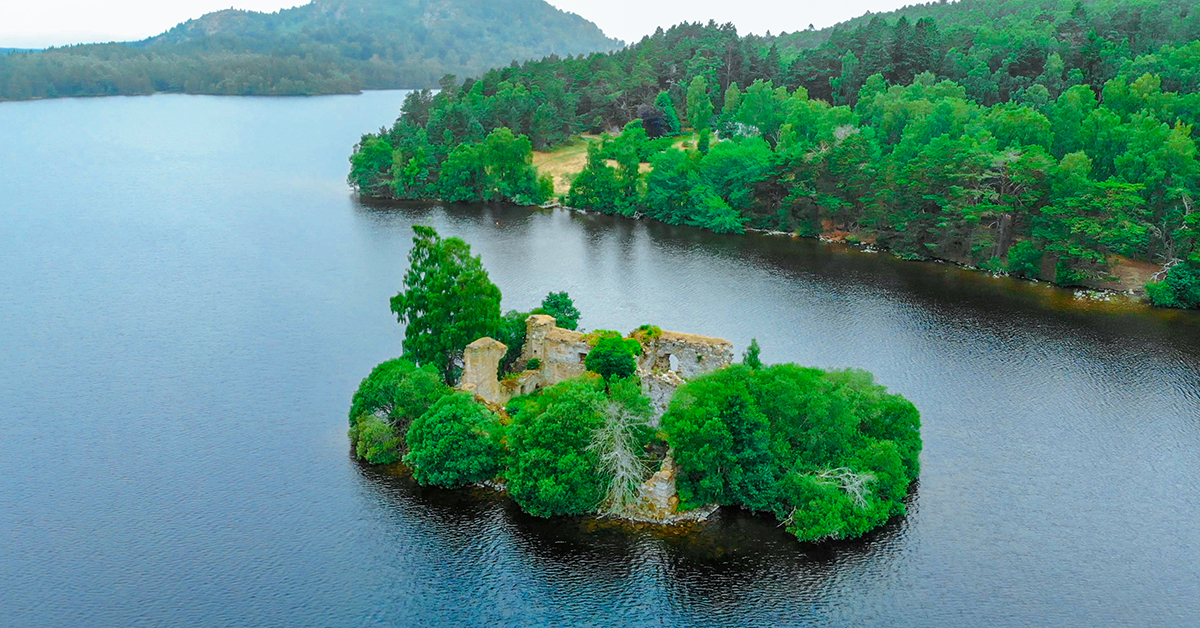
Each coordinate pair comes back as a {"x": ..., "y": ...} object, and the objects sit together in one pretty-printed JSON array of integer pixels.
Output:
[
  {"x": 189, "y": 297},
  {"x": 578, "y": 560}
]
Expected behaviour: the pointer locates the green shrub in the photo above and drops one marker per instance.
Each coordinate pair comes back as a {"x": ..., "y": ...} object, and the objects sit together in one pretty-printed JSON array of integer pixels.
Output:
[
  {"x": 613, "y": 357},
  {"x": 552, "y": 469},
  {"x": 596, "y": 335},
  {"x": 721, "y": 442},
  {"x": 1025, "y": 260},
  {"x": 398, "y": 391},
  {"x": 830, "y": 454},
  {"x": 646, "y": 333},
  {"x": 1160, "y": 294},
  {"x": 1180, "y": 288},
  {"x": 374, "y": 440},
  {"x": 533, "y": 364},
  {"x": 456, "y": 442},
  {"x": 751, "y": 356}
]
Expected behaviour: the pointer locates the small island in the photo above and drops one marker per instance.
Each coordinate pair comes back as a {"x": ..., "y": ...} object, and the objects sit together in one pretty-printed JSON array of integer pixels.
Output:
[{"x": 653, "y": 425}]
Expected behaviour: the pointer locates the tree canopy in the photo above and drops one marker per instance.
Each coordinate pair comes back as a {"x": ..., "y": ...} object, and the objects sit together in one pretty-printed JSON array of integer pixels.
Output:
[
  {"x": 447, "y": 302},
  {"x": 553, "y": 471},
  {"x": 1046, "y": 140},
  {"x": 831, "y": 454},
  {"x": 456, "y": 442}
]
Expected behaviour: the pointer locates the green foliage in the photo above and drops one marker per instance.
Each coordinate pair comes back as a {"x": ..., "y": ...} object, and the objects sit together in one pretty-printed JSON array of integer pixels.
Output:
[
  {"x": 533, "y": 364},
  {"x": 371, "y": 159},
  {"x": 398, "y": 391},
  {"x": 560, "y": 306},
  {"x": 955, "y": 131},
  {"x": 599, "y": 186},
  {"x": 375, "y": 440},
  {"x": 447, "y": 301},
  {"x": 646, "y": 333},
  {"x": 497, "y": 169},
  {"x": 456, "y": 442},
  {"x": 1025, "y": 260},
  {"x": 750, "y": 357},
  {"x": 511, "y": 332},
  {"x": 553, "y": 469},
  {"x": 699, "y": 106},
  {"x": 613, "y": 357},
  {"x": 721, "y": 442},
  {"x": 317, "y": 48},
  {"x": 1180, "y": 288},
  {"x": 831, "y": 454},
  {"x": 670, "y": 116}
]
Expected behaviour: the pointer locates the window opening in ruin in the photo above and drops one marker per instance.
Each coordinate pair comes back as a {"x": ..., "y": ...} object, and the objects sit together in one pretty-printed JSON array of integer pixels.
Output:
[
  {"x": 674, "y": 363},
  {"x": 582, "y": 358}
]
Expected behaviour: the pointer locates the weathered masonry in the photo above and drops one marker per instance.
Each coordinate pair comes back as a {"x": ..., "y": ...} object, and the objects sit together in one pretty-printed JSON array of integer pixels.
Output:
[{"x": 667, "y": 359}]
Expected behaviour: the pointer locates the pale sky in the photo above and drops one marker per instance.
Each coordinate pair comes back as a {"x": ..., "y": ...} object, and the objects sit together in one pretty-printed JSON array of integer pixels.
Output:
[{"x": 41, "y": 23}]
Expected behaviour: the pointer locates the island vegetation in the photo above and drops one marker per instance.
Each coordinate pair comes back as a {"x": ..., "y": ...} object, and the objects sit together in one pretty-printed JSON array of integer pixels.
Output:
[
  {"x": 1045, "y": 140},
  {"x": 323, "y": 47},
  {"x": 832, "y": 455}
]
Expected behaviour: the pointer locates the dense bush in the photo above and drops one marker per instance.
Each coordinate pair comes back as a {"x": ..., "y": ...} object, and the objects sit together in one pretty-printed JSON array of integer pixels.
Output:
[
  {"x": 375, "y": 440},
  {"x": 553, "y": 470},
  {"x": 1180, "y": 288},
  {"x": 830, "y": 454},
  {"x": 613, "y": 357},
  {"x": 1025, "y": 260},
  {"x": 398, "y": 391},
  {"x": 456, "y": 442},
  {"x": 721, "y": 442}
]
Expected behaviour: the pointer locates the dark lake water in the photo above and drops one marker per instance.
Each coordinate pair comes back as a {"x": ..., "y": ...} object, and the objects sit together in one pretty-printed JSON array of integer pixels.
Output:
[{"x": 189, "y": 295}]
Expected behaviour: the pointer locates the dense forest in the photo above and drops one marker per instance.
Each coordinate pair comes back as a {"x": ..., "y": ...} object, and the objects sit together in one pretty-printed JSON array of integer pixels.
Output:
[
  {"x": 1046, "y": 140},
  {"x": 326, "y": 46}
]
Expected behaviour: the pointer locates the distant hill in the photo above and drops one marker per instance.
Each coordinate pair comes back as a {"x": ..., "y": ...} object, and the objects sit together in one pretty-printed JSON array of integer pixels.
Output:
[{"x": 326, "y": 46}]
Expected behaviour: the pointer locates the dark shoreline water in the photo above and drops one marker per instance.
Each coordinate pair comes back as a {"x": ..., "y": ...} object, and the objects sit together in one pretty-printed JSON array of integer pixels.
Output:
[{"x": 189, "y": 296}]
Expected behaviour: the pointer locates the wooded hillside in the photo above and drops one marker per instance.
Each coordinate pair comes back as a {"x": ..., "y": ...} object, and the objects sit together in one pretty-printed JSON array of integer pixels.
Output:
[{"x": 327, "y": 46}]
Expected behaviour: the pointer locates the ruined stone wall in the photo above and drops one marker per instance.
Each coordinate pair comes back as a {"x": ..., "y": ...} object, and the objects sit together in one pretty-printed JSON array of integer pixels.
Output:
[
  {"x": 666, "y": 361},
  {"x": 561, "y": 351},
  {"x": 481, "y": 361},
  {"x": 686, "y": 355}
]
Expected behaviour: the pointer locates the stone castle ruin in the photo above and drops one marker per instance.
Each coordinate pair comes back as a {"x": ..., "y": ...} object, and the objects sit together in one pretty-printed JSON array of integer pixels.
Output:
[{"x": 668, "y": 358}]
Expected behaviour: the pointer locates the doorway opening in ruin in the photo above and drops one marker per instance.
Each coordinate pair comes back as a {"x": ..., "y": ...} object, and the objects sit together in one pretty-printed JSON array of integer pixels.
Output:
[{"x": 674, "y": 362}]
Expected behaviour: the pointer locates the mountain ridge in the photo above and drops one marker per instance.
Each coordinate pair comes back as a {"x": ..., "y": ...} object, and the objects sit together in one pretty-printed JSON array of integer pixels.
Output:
[{"x": 325, "y": 46}]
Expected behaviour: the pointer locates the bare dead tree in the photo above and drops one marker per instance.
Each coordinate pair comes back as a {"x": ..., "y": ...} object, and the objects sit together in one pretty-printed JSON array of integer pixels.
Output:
[
  {"x": 616, "y": 445},
  {"x": 854, "y": 484}
]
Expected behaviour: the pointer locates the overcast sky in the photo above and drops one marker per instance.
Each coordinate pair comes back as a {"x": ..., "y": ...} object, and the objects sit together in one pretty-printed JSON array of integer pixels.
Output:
[{"x": 41, "y": 23}]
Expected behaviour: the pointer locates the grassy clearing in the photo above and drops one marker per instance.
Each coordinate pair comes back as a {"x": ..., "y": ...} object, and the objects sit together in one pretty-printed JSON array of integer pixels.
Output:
[
  {"x": 568, "y": 160},
  {"x": 564, "y": 162}
]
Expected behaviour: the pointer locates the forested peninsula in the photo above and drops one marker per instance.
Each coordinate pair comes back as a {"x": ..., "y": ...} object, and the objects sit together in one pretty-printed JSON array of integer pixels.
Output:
[
  {"x": 832, "y": 455},
  {"x": 323, "y": 47},
  {"x": 1045, "y": 140}
]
